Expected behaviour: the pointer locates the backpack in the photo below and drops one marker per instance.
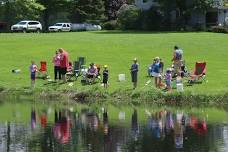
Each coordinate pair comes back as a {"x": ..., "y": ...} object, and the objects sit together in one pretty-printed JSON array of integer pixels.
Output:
[{"x": 179, "y": 54}]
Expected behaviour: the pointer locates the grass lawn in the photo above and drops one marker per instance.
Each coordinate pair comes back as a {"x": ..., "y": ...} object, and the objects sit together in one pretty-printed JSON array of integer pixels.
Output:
[{"x": 116, "y": 49}]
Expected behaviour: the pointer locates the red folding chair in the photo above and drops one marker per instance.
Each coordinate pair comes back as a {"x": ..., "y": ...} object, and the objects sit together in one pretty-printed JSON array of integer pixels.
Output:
[
  {"x": 43, "y": 69},
  {"x": 199, "y": 72}
]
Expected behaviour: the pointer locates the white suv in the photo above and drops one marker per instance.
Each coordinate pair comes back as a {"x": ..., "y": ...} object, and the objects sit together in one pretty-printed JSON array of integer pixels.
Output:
[
  {"x": 60, "y": 27},
  {"x": 26, "y": 26}
]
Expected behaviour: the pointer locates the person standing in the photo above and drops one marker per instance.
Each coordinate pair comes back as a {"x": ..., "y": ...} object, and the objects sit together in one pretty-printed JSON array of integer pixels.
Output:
[
  {"x": 177, "y": 57},
  {"x": 33, "y": 70},
  {"x": 64, "y": 61},
  {"x": 105, "y": 76},
  {"x": 134, "y": 72},
  {"x": 156, "y": 72},
  {"x": 56, "y": 61}
]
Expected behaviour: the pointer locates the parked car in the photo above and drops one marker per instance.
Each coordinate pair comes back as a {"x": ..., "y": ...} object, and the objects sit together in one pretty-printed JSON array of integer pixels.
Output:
[
  {"x": 85, "y": 27},
  {"x": 60, "y": 27},
  {"x": 26, "y": 26}
]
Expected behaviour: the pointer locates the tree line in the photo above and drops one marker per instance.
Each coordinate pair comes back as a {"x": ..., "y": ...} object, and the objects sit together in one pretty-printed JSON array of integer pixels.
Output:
[{"x": 111, "y": 14}]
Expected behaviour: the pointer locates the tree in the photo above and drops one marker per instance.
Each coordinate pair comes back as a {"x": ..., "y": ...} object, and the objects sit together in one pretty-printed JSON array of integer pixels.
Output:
[
  {"x": 20, "y": 9},
  {"x": 183, "y": 8},
  {"x": 91, "y": 11},
  {"x": 53, "y": 7},
  {"x": 112, "y": 7}
]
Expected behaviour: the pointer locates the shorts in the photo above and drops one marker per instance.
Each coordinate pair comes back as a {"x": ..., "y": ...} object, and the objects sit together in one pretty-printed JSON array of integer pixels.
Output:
[
  {"x": 105, "y": 80},
  {"x": 33, "y": 76},
  {"x": 134, "y": 77},
  {"x": 168, "y": 83},
  {"x": 156, "y": 75},
  {"x": 63, "y": 71}
]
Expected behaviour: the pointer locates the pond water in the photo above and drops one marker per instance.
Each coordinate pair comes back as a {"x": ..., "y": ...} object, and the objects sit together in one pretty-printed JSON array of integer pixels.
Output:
[{"x": 41, "y": 127}]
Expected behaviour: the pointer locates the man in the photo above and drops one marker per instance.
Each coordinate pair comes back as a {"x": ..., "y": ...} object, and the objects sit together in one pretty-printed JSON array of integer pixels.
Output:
[
  {"x": 134, "y": 73},
  {"x": 177, "y": 57},
  {"x": 64, "y": 61}
]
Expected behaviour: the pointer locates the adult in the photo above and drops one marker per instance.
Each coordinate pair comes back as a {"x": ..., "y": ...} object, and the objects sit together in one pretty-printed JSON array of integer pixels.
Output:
[
  {"x": 177, "y": 57},
  {"x": 64, "y": 61},
  {"x": 92, "y": 72},
  {"x": 134, "y": 72},
  {"x": 156, "y": 73},
  {"x": 56, "y": 61}
]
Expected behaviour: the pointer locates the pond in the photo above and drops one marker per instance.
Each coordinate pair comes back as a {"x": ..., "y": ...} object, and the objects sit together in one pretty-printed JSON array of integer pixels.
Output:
[{"x": 27, "y": 126}]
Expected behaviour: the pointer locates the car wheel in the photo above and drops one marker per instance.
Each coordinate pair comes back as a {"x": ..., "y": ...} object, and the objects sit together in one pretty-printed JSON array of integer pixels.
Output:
[
  {"x": 24, "y": 31},
  {"x": 38, "y": 30},
  {"x": 59, "y": 30}
]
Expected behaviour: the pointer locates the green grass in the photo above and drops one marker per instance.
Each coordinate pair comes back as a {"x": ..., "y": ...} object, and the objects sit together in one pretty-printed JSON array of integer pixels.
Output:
[{"x": 116, "y": 49}]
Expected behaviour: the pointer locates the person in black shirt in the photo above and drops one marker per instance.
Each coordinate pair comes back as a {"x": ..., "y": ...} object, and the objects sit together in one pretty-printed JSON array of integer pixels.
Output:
[{"x": 105, "y": 76}]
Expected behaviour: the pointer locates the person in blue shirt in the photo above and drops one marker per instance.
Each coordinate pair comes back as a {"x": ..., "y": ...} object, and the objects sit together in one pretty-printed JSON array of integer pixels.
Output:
[
  {"x": 156, "y": 73},
  {"x": 134, "y": 73}
]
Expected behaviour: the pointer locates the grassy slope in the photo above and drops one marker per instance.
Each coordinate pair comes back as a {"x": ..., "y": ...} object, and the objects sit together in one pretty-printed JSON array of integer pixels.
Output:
[{"x": 115, "y": 49}]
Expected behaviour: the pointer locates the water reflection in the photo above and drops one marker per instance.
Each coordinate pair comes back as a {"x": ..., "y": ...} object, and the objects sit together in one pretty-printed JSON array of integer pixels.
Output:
[{"x": 97, "y": 131}]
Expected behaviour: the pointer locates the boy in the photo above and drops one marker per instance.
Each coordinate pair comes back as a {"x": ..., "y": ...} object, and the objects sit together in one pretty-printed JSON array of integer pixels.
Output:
[
  {"x": 33, "y": 70},
  {"x": 105, "y": 76},
  {"x": 168, "y": 78},
  {"x": 134, "y": 72}
]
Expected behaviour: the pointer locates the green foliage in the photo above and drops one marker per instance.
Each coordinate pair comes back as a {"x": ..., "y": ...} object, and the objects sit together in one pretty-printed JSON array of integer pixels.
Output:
[
  {"x": 110, "y": 25},
  {"x": 91, "y": 11},
  {"x": 128, "y": 17},
  {"x": 21, "y": 9}
]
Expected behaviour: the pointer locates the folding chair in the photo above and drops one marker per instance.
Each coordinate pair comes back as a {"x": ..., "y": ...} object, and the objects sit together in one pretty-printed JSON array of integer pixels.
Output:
[
  {"x": 199, "y": 72},
  {"x": 42, "y": 72}
]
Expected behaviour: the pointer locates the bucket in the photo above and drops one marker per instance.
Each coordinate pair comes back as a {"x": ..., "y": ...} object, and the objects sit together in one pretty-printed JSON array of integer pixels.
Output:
[
  {"x": 180, "y": 87},
  {"x": 121, "y": 77}
]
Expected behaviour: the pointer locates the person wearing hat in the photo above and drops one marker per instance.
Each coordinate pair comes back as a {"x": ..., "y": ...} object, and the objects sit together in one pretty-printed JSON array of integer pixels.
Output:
[
  {"x": 156, "y": 73},
  {"x": 105, "y": 76},
  {"x": 134, "y": 72}
]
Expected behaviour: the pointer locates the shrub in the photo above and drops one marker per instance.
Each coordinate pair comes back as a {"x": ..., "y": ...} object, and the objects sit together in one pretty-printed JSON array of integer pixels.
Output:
[
  {"x": 219, "y": 29},
  {"x": 128, "y": 17},
  {"x": 110, "y": 25}
]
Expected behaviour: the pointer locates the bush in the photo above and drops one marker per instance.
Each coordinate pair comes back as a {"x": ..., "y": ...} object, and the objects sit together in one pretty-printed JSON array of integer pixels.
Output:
[
  {"x": 219, "y": 29},
  {"x": 151, "y": 19},
  {"x": 110, "y": 25},
  {"x": 128, "y": 17}
]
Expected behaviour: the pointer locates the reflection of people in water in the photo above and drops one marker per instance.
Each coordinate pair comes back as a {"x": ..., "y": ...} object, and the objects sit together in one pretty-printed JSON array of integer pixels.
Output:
[
  {"x": 92, "y": 121},
  {"x": 105, "y": 122},
  {"x": 169, "y": 125},
  {"x": 198, "y": 125},
  {"x": 62, "y": 127},
  {"x": 33, "y": 119},
  {"x": 43, "y": 119},
  {"x": 134, "y": 124},
  {"x": 178, "y": 131}
]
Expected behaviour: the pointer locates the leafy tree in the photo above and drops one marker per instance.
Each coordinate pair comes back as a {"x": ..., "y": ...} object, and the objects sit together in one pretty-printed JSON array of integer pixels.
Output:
[
  {"x": 112, "y": 7},
  {"x": 52, "y": 7},
  {"x": 16, "y": 10},
  {"x": 91, "y": 11}
]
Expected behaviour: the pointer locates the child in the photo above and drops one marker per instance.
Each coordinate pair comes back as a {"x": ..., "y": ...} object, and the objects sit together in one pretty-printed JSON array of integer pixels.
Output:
[
  {"x": 105, "y": 76},
  {"x": 70, "y": 68},
  {"x": 33, "y": 70},
  {"x": 168, "y": 78},
  {"x": 134, "y": 72},
  {"x": 157, "y": 73}
]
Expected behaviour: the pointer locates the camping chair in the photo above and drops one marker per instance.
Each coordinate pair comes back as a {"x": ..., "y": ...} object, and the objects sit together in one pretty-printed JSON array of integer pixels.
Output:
[
  {"x": 42, "y": 72},
  {"x": 76, "y": 71},
  {"x": 199, "y": 72},
  {"x": 82, "y": 61}
]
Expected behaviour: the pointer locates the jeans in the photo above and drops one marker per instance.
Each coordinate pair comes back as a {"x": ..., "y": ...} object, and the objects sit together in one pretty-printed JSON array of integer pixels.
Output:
[{"x": 57, "y": 72}]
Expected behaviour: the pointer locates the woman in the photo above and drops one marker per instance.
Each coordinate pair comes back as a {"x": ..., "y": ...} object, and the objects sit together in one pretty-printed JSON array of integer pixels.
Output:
[
  {"x": 156, "y": 73},
  {"x": 56, "y": 62}
]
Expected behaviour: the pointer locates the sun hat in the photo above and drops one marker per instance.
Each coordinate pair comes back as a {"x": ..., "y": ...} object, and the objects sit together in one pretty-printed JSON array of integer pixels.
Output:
[
  {"x": 105, "y": 66},
  {"x": 135, "y": 59}
]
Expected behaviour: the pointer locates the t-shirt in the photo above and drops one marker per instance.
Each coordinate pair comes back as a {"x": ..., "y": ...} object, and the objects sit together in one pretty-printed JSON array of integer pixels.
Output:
[
  {"x": 56, "y": 60},
  {"x": 33, "y": 68},
  {"x": 134, "y": 68},
  {"x": 178, "y": 54},
  {"x": 105, "y": 73},
  {"x": 156, "y": 68},
  {"x": 168, "y": 76},
  {"x": 64, "y": 60}
]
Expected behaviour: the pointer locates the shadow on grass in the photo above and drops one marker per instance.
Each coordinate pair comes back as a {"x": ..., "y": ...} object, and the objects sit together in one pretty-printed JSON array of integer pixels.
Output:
[{"x": 141, "y": 32}]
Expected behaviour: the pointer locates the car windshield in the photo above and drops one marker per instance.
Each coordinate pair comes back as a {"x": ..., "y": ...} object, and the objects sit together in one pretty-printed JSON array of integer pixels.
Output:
[
  {"x": 21, "y": 23},
  {"x": 58, "y": 24}
]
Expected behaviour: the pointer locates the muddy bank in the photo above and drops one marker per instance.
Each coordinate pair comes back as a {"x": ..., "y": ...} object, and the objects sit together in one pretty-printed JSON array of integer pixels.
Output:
[{"x": 149, "y": 96}]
